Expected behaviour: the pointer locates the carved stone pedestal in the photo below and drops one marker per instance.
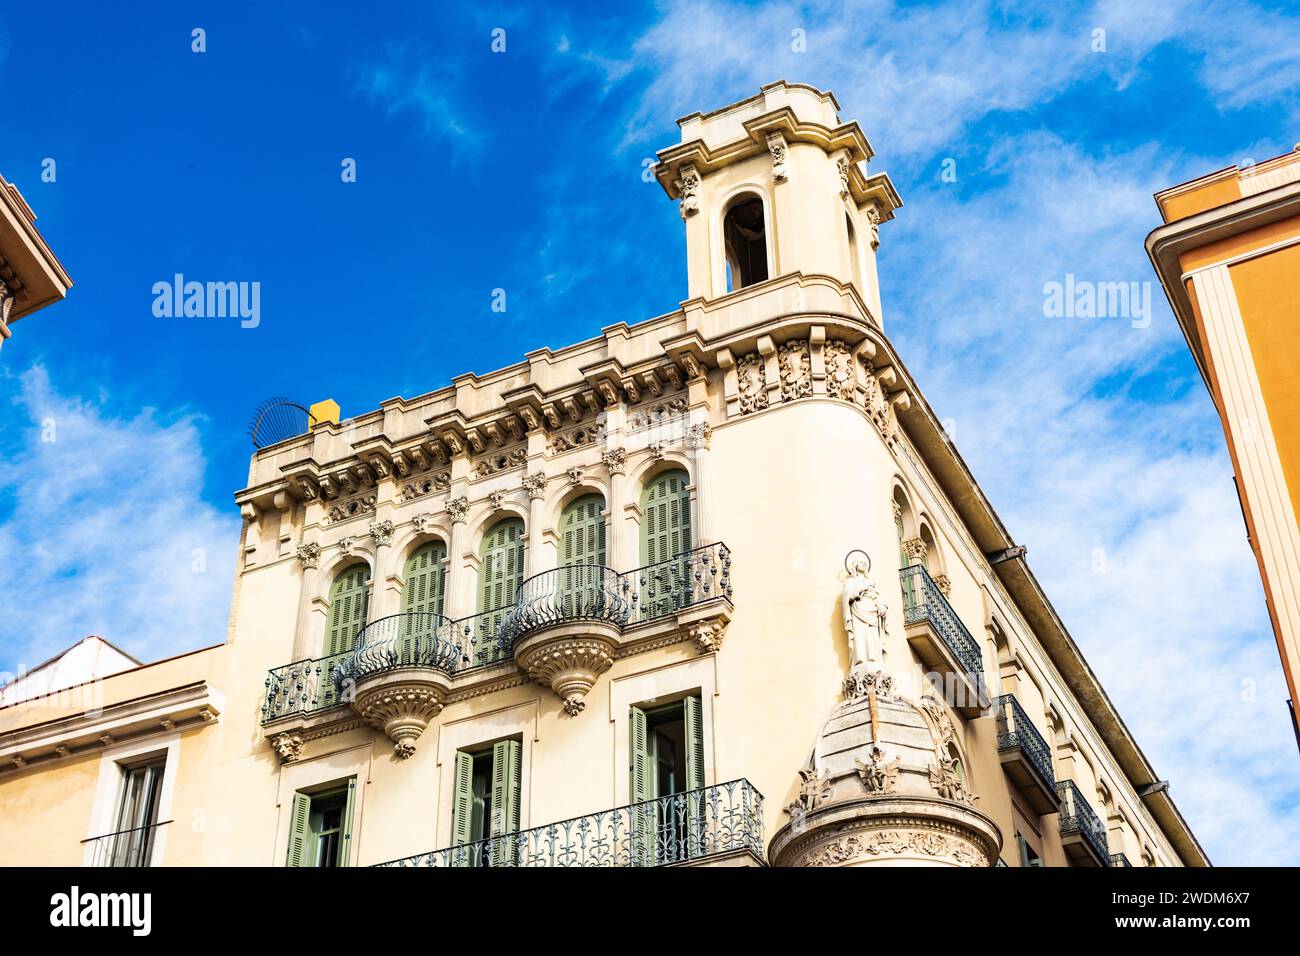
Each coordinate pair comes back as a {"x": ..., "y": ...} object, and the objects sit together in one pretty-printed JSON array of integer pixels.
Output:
[
  {"x": 569, "y": 658},
  {"x": 401, "y": 703}
]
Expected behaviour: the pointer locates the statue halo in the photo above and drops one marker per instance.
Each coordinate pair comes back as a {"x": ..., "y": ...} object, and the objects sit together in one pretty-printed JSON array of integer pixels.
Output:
[{"x": 848, "y": 564}]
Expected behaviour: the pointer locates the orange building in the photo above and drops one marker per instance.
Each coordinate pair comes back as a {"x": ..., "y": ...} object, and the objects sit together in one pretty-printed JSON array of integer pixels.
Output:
[{"x": 1228, "y": 257}]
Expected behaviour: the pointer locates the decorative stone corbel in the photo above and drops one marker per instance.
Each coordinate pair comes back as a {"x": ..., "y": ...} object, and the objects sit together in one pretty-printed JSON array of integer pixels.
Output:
[
  {"x": 688, "y": 187},
  {"x": 776, "y": 146},
  {"x": 842, "y": 166},
  {"x": 496, "y": 499},
  {"x": 288, "y": 747},
  {"x": 309, "y": 555}
]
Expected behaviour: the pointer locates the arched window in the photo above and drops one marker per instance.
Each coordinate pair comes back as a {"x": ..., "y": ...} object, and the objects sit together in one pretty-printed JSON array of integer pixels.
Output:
[
  {"x": 424, "y": 579},
  {"x": 582, "y": 531},
  {"x": 744, "y": 238},
  {"x": 958, "y": 768},
  {"x": 349, "y": 604},
  {"x": 502, "y": 568},
  {"x": 855, "y": 272},
  {"x": 666, "y": 517},
  {"x": 501, "y": 571}
]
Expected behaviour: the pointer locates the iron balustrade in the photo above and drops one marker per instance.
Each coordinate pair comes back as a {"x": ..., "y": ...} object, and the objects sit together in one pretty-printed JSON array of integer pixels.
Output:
[
  {"x": 666, "y": 587},
  {"x": 410, "y": 639},
  {"x": 132, "y": 847},
  {"x": 302, "y": 687},
  {"x": 576, "y": 592},
  {"x": 1015, "y": 729},
  {"x": 923, "y": 601},
  {"x": 480, "y": 632},
  {"x": 1077, "y": 816},
  {"x": 680, "y": 828}
]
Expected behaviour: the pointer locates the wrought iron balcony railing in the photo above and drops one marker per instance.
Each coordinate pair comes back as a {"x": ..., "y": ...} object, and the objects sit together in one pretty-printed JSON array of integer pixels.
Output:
[
  {"x": 132, "y": 847},
  {"x": 575, "y": 593},
  {"x": 1077, "y": 816},
  {"x": 923, "y": 601},
  {"x": 1119, "y": 859},
  {"x": 302, "y": 687},
  {"x": 682, "y": 828},
  {"x": 411, "y": 639},
  {"x": 1015, "y": 729},
  {"x": 669, "y": 586},
  {"x": 578, "y": 592}
]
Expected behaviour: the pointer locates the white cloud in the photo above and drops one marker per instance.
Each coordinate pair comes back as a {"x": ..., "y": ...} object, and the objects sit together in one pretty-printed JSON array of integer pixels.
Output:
[
  {"x": 1096, "y": 440},
  {"x": 103, "y": 530}
]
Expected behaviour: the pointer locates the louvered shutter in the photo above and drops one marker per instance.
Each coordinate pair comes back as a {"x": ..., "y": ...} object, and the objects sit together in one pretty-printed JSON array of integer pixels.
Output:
[
  {"x": 299, "y": 831},
  {"x": 583, "y": 543},
  {"x": 462, "y": 802},
  {"x": 345, "y": 829},
  {"x": 422, "y": 598},
  {"x": 507, "y": 770},
  {"x": 501, "y": 572},
  {"x": 665, "y": 534},
  {"x": 697, "y": 829},
  {"x": 349, "y": 605},
  {"x": 643, "y": 815}
]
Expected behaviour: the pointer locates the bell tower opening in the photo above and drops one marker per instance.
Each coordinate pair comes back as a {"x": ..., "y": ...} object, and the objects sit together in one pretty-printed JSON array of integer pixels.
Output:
[{"x": 744, "y": 237}]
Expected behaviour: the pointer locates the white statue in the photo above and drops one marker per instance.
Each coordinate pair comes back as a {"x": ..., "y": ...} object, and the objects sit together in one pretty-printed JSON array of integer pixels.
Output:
[{"x": 864, "y": 616}]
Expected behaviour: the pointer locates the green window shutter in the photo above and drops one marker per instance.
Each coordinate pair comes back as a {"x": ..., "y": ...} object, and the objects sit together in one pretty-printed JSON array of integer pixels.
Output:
[
  {"x": 349, "y": 604},
  {"x": 582, "y": 529},
  {"x": 424, "y": 579},
  {"x": 697, "y": 829},
  {"x": 300, "y": 831},
  {"x": 507, "y": 768},
  {"x": 666, "y": 517},
  {"x": 462, "y": 799},
  {"x": 501, "y": 572},
  {"x": 502, "y": 564},
  {"x": 693, "y": 718},
  {"x": 345, "y": 835},
  {"x": 640, "y": 759}
]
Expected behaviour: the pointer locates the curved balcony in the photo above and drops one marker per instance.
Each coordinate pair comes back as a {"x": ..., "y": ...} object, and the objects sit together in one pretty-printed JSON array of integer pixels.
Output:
[
  {"x": 399, "y": 672},
  {"x": 564, "y": 628}
]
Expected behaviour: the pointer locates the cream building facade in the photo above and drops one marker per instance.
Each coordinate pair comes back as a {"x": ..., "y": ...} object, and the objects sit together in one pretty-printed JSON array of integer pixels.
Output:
[
  {"x": 710, "y": 589},
  {"x": 31, "y": 276}
]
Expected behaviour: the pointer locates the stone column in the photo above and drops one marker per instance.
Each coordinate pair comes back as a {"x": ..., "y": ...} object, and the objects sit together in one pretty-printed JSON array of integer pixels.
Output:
[
  {"x": 457, "y": 600},
  {"x": 309, "y": 558},
  {"x": 698, "y": 438},
  {"x": 615, "y": 461},
  {"x": 534, "y": 553},
  {"x": 385, "y": 589}
]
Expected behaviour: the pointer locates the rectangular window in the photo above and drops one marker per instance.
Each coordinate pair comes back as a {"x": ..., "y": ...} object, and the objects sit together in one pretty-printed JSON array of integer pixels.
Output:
[
  {"x": 131, "y": 843},
  {"x": 321, "y": 827},
  {"x": 1027, "y": 855},
  {"x": 485, "y": 804},
  {"x": 669, "y": 819}
]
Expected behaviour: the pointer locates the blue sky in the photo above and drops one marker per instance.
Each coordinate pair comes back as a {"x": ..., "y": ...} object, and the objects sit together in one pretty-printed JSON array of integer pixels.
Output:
[{"x": 522, "y": 171}]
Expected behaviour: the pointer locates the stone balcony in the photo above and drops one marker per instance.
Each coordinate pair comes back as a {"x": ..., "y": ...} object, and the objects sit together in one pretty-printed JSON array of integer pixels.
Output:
[
  {"x": 564, "y": 628},
  {"x": 1083, "y": 836},
  {"x": 942, "y": 642},
  {"x": 1025, "y": 756},
  {"x": 720, "y": 825}
]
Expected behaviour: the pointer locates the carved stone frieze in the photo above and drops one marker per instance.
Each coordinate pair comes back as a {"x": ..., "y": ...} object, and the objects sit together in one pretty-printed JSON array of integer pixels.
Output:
[
  {"x": 500, "y": 461},
  {"x": 839, "y": 371},
  {"x": 352, "y": 508},
  {"x": 589, "y": 434},
  {"x": 426, "y": 485},
  {"x": 796, "y": 370},
  {"x": 751, "y": 373}
]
